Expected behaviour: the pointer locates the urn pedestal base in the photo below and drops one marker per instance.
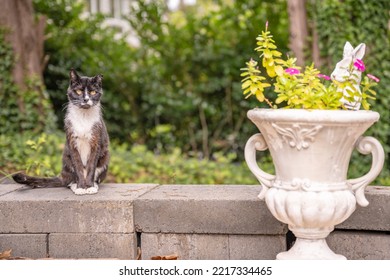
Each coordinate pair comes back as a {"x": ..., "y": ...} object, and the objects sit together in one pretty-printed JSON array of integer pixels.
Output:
[{"x": 310, "y": 249}]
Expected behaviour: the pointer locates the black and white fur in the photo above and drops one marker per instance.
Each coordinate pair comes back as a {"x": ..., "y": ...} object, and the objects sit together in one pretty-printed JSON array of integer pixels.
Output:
[{"x": 86, "y": 154}]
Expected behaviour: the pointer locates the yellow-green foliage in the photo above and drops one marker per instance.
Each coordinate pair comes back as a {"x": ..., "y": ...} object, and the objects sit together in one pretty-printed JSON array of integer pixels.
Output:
[
  {"x": 253, "y": 83},
  {"x": 295, "y": 88}
]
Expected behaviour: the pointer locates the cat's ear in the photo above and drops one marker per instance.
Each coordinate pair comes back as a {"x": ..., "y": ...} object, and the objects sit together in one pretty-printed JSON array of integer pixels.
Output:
[
  {"x": 74, "y": 77},
  {"x": 98, "y": 79}
]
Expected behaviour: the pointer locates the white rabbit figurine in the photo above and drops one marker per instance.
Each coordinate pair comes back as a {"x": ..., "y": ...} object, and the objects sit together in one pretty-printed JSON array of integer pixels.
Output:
[{"x": 341, "y": 71}]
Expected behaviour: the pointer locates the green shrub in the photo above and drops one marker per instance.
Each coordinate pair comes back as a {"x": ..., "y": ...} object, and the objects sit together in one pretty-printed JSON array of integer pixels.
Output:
[
  {"x": 138, "y": 165},
  {"x": 21, "y": 110},
  {"x": 36, "y": 155},
  {"x": 41, "y": 156}
]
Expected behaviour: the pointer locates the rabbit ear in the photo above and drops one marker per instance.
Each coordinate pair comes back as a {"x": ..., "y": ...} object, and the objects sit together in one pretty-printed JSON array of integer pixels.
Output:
[
  {"x": 348, "y": 49},
  {"x": 359, "y": 51}
]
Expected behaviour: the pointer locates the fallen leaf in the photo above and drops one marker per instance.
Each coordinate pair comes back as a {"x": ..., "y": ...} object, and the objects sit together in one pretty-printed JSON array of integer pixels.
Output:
[
  {"x": 167, "y": 257},
  {"x": 139, "y": 254},
  {"x": 6, "y": 255}
]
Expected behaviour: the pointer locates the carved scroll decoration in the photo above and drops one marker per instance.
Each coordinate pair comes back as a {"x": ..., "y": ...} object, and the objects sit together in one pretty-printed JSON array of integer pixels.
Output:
[{"x": 296, "y": 136}]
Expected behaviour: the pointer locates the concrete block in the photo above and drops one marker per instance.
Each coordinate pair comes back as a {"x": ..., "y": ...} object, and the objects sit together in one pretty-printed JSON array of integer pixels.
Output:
[
  {"x": 185, "y": 246},
  {"x": 92, "y": 245},
  {"x": 376, "y": 216},
  {"x": 59, "y": 210},
  {"x": 205, "y": 209},
  {"x": 32, "y": 246},
  {"x": 256, "y": 247},
  {"x": 8, "y": 188},
  {"x": 360, "y": 245}
]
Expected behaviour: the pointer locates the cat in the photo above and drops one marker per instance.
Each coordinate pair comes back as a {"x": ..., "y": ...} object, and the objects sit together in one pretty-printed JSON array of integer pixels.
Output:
[{"x": 86, "y": 154}]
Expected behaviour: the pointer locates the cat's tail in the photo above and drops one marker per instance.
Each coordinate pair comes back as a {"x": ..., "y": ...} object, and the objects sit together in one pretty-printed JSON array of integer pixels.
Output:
[{"x": 38, "y": 182}]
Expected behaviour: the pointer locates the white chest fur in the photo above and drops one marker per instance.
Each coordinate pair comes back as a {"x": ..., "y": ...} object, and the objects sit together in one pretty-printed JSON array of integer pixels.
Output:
[{"x": 82, "y": 122}]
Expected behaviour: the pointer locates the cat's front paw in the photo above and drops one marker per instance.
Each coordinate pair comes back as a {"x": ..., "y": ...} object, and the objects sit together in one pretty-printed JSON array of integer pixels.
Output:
[
  {"x": 76, "y": 190},
  {"x": 73, "y": 186},
  {"x": 92, "y": 190},
  {"x": 82, "y": 191}
]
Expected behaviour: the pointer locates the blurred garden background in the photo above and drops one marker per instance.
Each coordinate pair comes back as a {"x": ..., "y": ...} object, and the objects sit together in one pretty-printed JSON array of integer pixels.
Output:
[{"x": 172, "y": 99}]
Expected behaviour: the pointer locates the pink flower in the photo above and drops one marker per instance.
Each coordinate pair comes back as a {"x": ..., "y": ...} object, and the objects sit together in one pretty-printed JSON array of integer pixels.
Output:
[
  {"x": 359, "y": 64},
  {"x": 372, "y": 77},
  {"x": 266, "y": 25},
  {"x": 292, "y": 71},
  {"x": 323, "y": 77}
]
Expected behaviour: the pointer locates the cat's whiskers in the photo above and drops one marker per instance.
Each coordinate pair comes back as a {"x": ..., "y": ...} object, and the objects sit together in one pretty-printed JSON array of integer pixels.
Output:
[{"x": 65, "y": 106}]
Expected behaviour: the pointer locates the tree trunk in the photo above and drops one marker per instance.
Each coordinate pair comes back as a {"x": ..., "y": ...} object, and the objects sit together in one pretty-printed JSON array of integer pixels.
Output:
[
  {"x": 316, "y": 49},
  {"x": 298, "y": 29},
  {"x": 26, "y": 35}
]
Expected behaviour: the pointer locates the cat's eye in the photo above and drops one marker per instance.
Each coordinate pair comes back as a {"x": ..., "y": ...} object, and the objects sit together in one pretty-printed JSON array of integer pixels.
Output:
[
  {"x": 79, "y": 92},
  {"x": 92, "y": 92}
]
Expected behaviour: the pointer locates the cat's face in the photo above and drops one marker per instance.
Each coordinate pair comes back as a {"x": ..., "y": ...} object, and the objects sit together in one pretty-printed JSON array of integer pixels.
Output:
[{"x": 84, "y": 92}]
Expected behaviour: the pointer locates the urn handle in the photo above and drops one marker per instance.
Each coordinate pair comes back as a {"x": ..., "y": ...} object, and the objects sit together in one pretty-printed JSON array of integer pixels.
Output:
[
  {"x": 257, "y": 143},
  {"x": 365, "y": 146}
]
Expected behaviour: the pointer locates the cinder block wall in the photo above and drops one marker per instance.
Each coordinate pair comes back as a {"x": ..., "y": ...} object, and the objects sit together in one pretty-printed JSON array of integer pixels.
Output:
[{"x": 193, "y": 222}]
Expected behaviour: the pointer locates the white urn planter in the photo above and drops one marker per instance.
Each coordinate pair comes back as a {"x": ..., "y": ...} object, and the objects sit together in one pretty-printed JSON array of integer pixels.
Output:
[{"x": 311, "y": 151}]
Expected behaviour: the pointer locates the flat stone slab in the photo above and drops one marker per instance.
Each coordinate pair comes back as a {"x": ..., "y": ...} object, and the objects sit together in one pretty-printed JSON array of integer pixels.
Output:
[
  {"x": 360, "y": 245},
  {"x": 8, "y": 188},
  {"x": 185, "y": 246},
  {"x": 195, "y": 221},
  {"x": 212, "y": 246},
  {"x": 54, "y": 210},
  {"x": 256, "y": 247},
  {"x": 32, "y": 246},
  {"x": 92, "y": 246},
  {"x": 107, "y": 192},
  {"x": 205, "y": 209}
]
